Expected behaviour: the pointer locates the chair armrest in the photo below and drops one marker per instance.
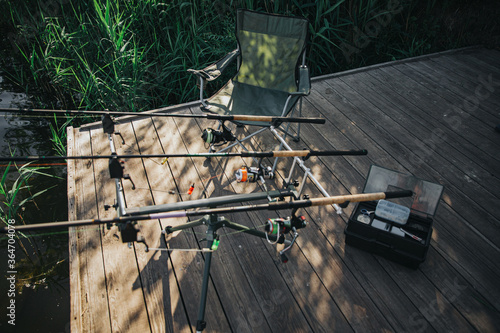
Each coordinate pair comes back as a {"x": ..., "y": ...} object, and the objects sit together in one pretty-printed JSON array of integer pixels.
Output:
[
  {"x": 213, "y": 71},
  {"x": 304, "y": 82}
]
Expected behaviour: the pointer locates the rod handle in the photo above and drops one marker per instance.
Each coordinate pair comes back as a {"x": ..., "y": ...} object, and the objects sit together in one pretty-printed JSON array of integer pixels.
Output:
[
  {"x": 339, "y": 199},
  {"x": 307, "y": 153}
]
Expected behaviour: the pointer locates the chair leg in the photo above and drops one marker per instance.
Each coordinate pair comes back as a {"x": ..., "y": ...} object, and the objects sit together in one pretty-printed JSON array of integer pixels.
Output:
[{"x": 297, "y": 137}]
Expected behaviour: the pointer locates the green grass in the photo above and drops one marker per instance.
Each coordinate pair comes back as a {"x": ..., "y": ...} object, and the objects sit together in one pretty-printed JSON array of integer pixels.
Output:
[
  {"x": 125, "y": 55},
  {"x": 58, "y": 135}
]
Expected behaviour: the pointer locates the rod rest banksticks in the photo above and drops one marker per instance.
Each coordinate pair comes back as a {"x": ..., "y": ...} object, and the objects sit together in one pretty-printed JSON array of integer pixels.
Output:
[{"x": 156, "y": 113}]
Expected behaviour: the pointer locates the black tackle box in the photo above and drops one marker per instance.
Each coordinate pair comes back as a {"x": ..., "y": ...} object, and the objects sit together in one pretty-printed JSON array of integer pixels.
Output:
[{"x": 404, "y": 236}]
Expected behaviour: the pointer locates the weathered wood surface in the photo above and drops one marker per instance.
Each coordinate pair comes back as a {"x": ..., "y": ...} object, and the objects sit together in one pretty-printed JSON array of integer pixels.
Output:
[{"x": 432, "y": 116}]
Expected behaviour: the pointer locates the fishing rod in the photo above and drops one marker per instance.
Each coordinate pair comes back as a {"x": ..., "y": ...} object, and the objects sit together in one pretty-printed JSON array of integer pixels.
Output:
[
  {"x": 157, "y": 113},
  {"x": 305, "y": 154},
  {"x": 279, "y": 205}
]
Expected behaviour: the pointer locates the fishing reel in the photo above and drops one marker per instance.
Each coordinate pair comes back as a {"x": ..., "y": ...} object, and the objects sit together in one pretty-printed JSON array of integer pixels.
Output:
[
  {"x": 252, "y": 174},
  {"x": 212, "y": 137},
  {"x": 278, "y": 227},
  {"x": 282, "y": 225}
]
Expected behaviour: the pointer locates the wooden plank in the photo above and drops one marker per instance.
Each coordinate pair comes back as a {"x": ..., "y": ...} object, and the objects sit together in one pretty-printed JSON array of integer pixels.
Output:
[
  {"x": 365, "y": 269},
  {"x": 471, "y": 84},
  {"x": 373, "y": 115},
  {"x": 316, "y": 317},
  {"x": 321, "y": 255},
  {"x": 91, "y": 314},
  {"x": 429, "y": 102},
  {"x": 74, "y": 259},
  {"x": 300, "y": 278},
  {"x": 182, "y": 174},
  {"x": 453, "y": 244},
  {"x": 486, "y": 79},
  {"x": 475, "y": 123},
  {"x": 474, "y": 66},
  {"x": 395, "y": 62},
  {"x": 240, "y": 303},
  {"x": 394, "y": 149},
  {"x": 390, "y": 284},
  {"x": 153, "y": 266},
  {"x": 486, "y": 223},
  {"x": 247, "y": 253},
  {"x": 247, "y": 317},
  {"x": 488, "y": 56},
  {"x": 460, "y": 292},
  {"x": 470, "y": 143},
  {"x": 471, "y": 64},
  {"x": 394, "y": 270},
  {"x": 431, "y": 155},
  {"x": 126, "y": 300},
  {"x": 480, "y": 64},
  {"x": 160, "y": 181}
]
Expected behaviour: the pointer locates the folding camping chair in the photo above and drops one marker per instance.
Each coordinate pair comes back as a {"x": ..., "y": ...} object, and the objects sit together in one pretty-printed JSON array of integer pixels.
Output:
[{"x": 272, "y": 75}]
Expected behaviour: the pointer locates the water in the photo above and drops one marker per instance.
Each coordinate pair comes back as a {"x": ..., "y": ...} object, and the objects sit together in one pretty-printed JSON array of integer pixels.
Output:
[{"x": 43, "y": 304}]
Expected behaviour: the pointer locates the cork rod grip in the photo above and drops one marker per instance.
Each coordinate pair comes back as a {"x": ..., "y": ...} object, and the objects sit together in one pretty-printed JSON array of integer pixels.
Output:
[{"x": 339, "y": 199}]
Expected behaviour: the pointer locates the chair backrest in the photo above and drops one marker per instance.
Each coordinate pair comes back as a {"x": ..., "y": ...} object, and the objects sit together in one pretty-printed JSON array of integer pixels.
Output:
[{"x": 271, "y": 47}]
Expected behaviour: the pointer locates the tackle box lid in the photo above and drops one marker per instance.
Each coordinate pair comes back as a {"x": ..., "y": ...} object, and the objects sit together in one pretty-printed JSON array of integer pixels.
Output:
[{"x": 426, "y": 195}]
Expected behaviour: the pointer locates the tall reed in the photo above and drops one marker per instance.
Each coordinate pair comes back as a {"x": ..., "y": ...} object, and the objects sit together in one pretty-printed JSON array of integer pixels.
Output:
[{"x": 133, "y": 54}]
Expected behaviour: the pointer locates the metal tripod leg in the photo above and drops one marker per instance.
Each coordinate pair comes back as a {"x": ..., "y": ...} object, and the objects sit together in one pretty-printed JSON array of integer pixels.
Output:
[
  {"x": 188, "y": 225},
  {"x": 201, "y": 323},
  {"x": 213, "y": 225}
]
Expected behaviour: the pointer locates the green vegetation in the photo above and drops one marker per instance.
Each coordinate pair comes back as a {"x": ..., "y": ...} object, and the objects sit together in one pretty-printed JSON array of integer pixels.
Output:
[
  {"x": 39, "y": 263},
  {"x": 9, "y": 208},
  {"x": 125, "y": 55},
  {"x": 133, "y": 54}
]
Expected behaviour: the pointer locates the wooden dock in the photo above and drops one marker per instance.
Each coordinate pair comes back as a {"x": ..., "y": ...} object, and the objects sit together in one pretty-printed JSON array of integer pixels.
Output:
[{"x": 433, "y": 117}]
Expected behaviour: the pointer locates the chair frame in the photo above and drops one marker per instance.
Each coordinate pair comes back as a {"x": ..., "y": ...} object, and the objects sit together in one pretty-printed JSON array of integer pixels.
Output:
[{"x": 214, "y": 70}]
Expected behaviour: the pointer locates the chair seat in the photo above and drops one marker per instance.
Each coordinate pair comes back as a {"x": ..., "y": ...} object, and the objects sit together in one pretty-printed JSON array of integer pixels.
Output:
[{"x": 237, "y": 98}]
